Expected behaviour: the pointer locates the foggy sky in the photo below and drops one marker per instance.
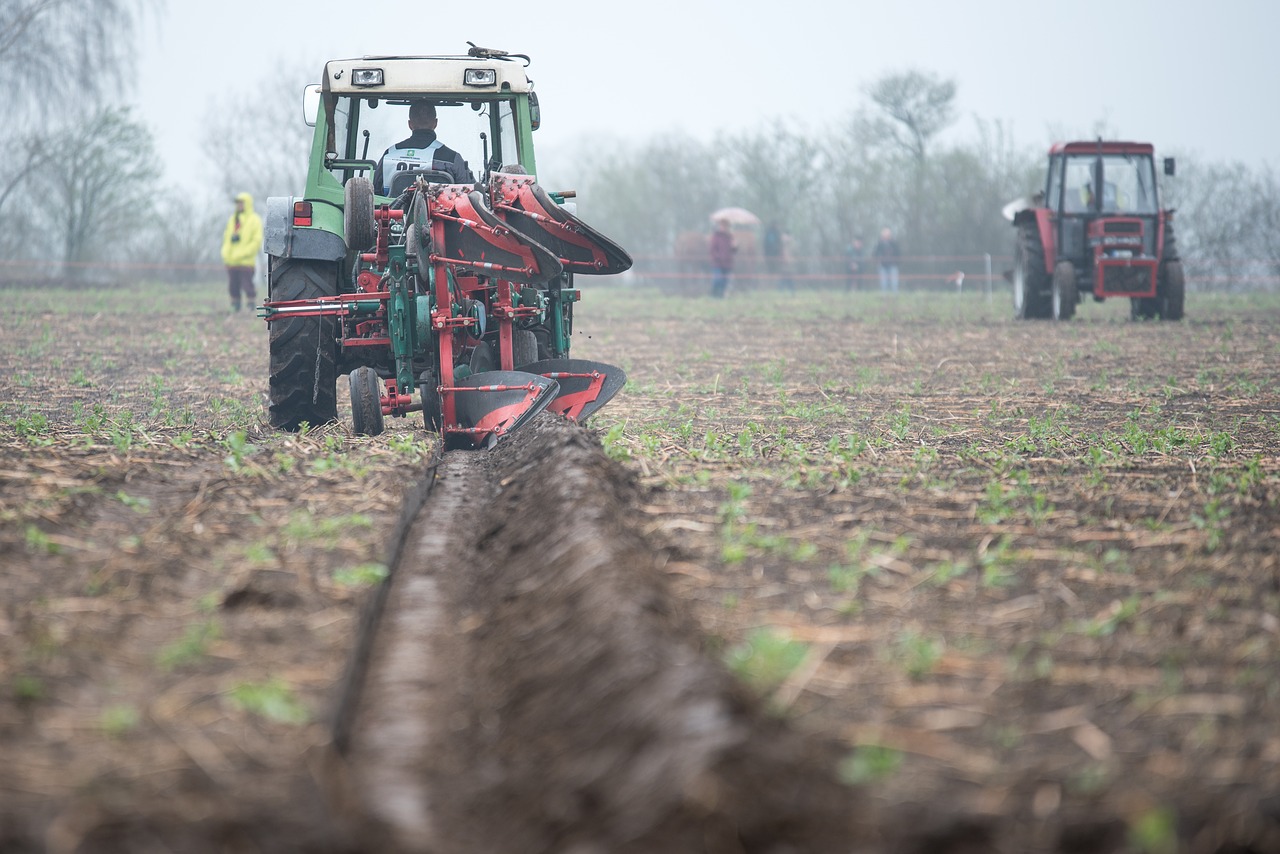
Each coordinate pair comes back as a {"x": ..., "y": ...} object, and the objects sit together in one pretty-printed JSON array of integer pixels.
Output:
[{"x": 1192, "y": 77}]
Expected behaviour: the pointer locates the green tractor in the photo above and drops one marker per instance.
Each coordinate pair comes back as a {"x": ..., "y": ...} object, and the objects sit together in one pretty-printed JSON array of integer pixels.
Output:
[{"x": 405, "y": 270}]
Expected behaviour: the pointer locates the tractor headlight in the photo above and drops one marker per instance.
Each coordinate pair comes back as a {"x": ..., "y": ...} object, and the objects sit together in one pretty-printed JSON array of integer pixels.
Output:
[
  {"x": 366, "y": 77},
  {"x": 480, "y": 77}
]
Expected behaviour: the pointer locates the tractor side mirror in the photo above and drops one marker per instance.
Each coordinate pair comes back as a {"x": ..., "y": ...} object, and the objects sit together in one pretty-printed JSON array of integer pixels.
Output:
[
  {"x": 310, "y": 104},
  {"x": 535, "y": 112},
  {"x": 1170, "y": 166}
]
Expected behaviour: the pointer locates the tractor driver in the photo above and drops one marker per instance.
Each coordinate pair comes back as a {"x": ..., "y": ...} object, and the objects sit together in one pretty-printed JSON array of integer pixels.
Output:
[{"x": 420, "y": 151}]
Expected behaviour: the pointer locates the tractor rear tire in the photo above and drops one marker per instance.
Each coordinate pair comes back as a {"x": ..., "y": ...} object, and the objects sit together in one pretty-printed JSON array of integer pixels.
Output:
[
  {"x": 1065, "y": 296},
  {"x": 1030, "y": 278},
  {"x": 304, "y": 350},
  {"x": 359, "y": 229},
  {"x": 366, "y": 401},
  {"x": 1171, "y": 285},
  {"x": 1172, "y": 290}
]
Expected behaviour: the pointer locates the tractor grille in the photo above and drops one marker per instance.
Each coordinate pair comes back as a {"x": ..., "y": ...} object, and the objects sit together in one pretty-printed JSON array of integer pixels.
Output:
[
  {"x": 1123, "y": 279},
  {"x": 1122, "y": 227}
]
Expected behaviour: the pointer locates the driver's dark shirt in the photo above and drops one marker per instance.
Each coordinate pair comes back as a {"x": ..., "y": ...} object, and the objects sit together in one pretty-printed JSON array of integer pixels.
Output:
[{"x": 444, "y": 156}]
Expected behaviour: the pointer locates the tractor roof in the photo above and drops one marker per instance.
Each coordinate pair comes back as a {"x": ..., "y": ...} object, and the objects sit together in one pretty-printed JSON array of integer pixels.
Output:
[
  {"x": 1098, "y": 146},
  {"x": 432, "y": 74}
]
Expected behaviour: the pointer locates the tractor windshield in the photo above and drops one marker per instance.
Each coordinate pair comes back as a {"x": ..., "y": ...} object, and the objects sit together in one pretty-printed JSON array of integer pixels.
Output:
[
  {"x": 466, "y": 127},
  {"x": 1128, "y": 184}
]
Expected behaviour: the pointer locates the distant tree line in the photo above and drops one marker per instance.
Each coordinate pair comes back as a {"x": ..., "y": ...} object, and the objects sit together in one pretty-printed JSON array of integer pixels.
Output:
[
  {"x": 83, "y": 185},
  {"x": 887, "y": 165},
  {"x": 83, "y": 190}
]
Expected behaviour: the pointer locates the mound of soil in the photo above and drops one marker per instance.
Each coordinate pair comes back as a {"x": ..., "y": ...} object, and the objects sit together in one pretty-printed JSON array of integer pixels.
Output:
[{"x": 531, "y": 665}]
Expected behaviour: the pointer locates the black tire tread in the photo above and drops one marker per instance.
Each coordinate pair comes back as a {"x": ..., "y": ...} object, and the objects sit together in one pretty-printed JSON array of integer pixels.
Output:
[
  {"x": 360, "y": 231},
  {"x": 366, "y": 401},
  {"x": 432, "y": 405},
  {"x": 1064, "y": 283},
  {"x": 303, "y": 352},
  {"x": 1173, "y": 290},
  {"x": 1037, "y": 305},
  {"x": 524, "y": 348},
  {"x": 1171, "y": 286}
]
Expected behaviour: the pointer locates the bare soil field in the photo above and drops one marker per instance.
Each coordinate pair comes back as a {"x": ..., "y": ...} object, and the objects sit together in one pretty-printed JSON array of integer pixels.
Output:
[{"x": 1023, "y": 574}]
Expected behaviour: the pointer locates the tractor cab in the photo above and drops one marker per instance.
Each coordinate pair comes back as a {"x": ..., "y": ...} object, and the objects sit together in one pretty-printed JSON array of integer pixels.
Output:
[
  {"x": 423, "y": 255},
  {"x": 483, "y": 107},
  {"x": 1104, "y": 206},
  {"x": 1099, "y": 230}
]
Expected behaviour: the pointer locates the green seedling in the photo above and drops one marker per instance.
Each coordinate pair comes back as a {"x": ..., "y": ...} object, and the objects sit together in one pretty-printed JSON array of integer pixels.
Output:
[
  {"x": 1117, "y": 615},
  {"x": 869, "y": 763},
  {"x": 138, "y": 504},
  {"x": 193, "y": 645},
  {"x": 1155, "y": 832},
  {"x": 918, "y": 654},
  {"x": 271, "y": 700},
  {"x": 766, "y": 658},
  {"x": 28, "y": 689},
  {"x": 363, "y": 575},
  {"x": 117, "y": 721},
  {"x": 38, "y": 542},
  {"x": 1212, "y": 520}
]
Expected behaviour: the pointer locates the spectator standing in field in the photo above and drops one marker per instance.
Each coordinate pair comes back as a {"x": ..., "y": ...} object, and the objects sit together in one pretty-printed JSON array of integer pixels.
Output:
[
  {"x": 853, "y": 258},
  {"x": 888, "y": 254},
  {"x": 241, "y": 242},
  {"x": 722, "y": 248},
  {"x": 773, "y": 250},
  {"x": 785, "y": 258}
]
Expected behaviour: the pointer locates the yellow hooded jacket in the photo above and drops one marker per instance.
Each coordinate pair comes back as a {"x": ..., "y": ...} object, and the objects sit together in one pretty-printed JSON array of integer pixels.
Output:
[{"x": 242, "y": 252}]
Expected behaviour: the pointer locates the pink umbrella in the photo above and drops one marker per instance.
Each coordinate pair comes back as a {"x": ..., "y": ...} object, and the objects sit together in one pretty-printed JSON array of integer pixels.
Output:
[{"x": 736, "y": 216}]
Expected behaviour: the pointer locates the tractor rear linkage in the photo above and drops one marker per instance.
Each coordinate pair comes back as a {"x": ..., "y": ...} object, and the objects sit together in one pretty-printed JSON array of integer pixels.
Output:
[{"x": 448, "y": 267}]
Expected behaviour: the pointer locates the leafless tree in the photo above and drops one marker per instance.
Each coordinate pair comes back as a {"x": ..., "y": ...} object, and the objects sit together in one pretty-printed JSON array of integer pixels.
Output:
[
  {"x": 56, "y": 50},
  {"x": 916, "y": 106},
  {"x": 1264, "y": 214},
  {"x": 62, "y": 57},
  {"x": 256, "y": 139},
  {"x": 680, "y": 177},
  {"x": 102, "y": 190}
]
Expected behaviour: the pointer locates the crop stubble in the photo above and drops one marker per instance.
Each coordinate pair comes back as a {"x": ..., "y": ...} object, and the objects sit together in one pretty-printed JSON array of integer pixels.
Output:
[{"x": 1030, "y": 568}]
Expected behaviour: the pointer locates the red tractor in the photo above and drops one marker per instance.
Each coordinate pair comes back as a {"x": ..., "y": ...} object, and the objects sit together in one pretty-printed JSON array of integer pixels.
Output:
[{"x": 1097, "y": 228}]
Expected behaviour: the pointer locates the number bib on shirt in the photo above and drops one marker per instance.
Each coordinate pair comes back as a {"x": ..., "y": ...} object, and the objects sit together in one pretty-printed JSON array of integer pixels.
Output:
[{"x": 404, "y": 159}]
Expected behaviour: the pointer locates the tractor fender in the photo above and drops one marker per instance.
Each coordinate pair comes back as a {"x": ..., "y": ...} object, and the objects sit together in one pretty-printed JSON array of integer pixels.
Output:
[
  {"x": 1041, "y": 220},
  {"x": 282, "y": 239}
]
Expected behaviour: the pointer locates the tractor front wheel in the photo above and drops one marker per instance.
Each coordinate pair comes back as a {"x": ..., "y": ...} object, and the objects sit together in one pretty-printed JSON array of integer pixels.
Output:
[
  {"x": 432, "y": 404},
  {"x": 1064, "y": 291},
  {"x": 304, "y": 350},
  {"x": 524, "y": 348},
  {"x": 366, "y": 401}
]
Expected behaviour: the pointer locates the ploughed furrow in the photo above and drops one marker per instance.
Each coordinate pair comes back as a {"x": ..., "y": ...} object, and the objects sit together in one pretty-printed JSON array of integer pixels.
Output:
[{"x": 529, "y": 685}]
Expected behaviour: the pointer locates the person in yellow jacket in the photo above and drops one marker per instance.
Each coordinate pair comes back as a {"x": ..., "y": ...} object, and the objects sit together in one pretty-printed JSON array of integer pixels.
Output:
[{"x": 241, "y": 242}]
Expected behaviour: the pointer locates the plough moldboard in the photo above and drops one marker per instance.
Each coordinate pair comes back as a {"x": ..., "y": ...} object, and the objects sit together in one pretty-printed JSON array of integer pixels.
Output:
[{"x": 467, "y": 296}]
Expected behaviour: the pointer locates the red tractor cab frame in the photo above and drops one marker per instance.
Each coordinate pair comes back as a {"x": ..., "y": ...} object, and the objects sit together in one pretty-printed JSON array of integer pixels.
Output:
[{"x": 1097, "y": 228}]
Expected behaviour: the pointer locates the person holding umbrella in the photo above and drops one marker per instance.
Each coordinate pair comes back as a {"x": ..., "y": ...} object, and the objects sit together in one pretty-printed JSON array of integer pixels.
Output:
[{"x": 722, "y": 248}]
